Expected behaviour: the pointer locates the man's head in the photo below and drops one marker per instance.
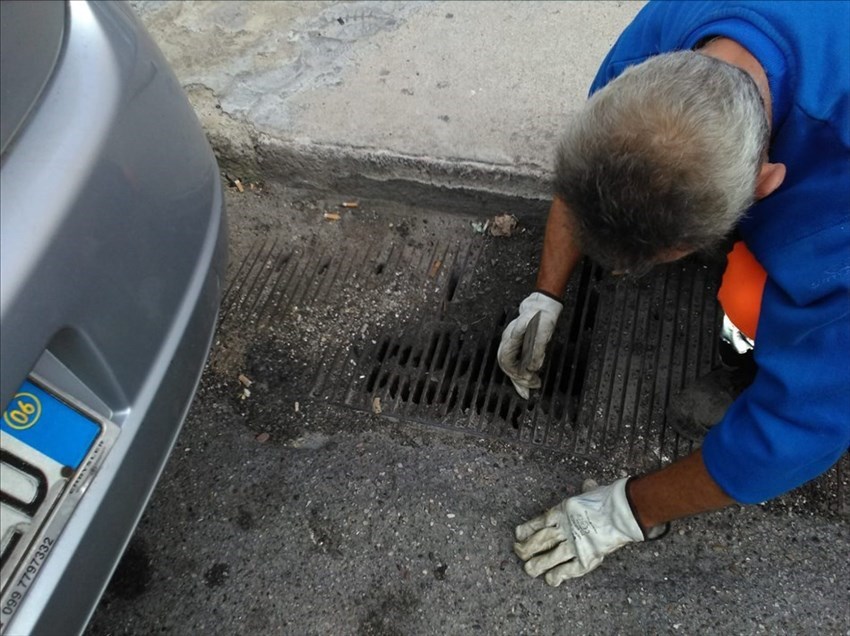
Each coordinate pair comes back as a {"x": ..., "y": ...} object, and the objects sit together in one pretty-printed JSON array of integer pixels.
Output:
[{"x": 664, "y": 160}]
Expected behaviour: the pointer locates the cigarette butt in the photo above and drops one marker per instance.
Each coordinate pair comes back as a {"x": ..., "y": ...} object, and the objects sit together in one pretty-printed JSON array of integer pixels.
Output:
[
  {"x": 350, "y": 204},
  {"x": 239, "y": 185},
  {"x": 332, "y": 216},
  {"x": 435, "y": 267}
]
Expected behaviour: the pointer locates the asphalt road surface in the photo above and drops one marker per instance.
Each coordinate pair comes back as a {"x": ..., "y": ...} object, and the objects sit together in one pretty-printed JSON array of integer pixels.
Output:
[{"x": 282, "y": 512}]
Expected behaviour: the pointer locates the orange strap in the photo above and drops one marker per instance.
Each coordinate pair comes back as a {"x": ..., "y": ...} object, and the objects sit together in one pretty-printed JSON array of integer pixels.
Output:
[{"x": 742, "y": 288}]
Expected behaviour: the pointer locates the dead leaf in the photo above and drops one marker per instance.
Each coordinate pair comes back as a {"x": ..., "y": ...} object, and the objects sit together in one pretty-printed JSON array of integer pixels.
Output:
[{"x": 503, "y": 225}]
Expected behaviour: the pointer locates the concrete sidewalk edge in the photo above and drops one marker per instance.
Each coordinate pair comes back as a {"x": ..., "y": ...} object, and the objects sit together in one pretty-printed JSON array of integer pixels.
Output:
[{"x": 254, "y": 156}]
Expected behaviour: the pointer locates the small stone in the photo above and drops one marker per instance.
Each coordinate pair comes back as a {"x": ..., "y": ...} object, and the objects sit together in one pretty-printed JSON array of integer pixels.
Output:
[{"x": 310, "y": 441}]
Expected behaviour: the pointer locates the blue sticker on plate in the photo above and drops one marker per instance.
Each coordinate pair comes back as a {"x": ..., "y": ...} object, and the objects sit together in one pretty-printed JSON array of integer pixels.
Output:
[{"x": 49, "y": 425}]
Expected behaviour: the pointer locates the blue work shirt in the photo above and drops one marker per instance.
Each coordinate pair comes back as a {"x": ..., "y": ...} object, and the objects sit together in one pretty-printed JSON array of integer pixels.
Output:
[{"x": 793, "y": 422}]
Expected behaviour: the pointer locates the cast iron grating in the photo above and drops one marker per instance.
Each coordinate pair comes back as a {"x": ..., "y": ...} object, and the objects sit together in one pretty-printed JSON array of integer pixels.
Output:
[
  {"x": 620, "y": 353},
  {"x": 277, "y": 279},
  {"x": 651, "y": 339},
  {"x": 620, "y": 350},
  {"x": 446, "y": 375}
]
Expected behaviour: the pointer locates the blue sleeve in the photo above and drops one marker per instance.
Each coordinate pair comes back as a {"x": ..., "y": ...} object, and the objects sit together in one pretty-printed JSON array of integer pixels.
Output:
[
  {"x": 659, "y": 27},
  {"x": 662, "y": 27},
  {"x": 638, "y": 41},
  {"x": 793, "y": 422}
]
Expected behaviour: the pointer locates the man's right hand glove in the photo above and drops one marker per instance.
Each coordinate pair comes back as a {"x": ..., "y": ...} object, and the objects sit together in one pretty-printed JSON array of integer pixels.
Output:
[{"x": 510, "y": 349}]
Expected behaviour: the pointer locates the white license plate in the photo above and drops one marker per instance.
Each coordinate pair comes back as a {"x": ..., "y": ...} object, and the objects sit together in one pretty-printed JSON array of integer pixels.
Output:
[{"x": 50, "y": 448}]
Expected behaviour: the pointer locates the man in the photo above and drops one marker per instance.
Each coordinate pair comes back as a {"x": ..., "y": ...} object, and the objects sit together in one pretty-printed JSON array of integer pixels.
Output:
[{"x": 707, "y": 118}]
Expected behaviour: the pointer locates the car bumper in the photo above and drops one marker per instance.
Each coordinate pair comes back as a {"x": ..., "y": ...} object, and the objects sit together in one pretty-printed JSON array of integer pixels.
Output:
[
  {"x": 67, "y": 590},
  {"x": 127, "y": 327}
]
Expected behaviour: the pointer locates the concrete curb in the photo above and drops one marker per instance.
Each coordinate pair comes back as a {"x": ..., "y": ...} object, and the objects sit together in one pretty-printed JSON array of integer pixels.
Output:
[
  {"x": 454, "y": 103},
  {"x": 250, "y": 155}
]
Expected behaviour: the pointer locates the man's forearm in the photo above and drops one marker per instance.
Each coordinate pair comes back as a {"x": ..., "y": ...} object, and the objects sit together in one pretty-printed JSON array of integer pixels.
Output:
[
  {"x": 682, "y": 489},
  {"x": 560, "y": 250},
  {"x": 679, "y": 490}
]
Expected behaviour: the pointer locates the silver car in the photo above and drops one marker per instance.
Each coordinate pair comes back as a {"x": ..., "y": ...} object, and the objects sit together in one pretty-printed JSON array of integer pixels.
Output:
[{"x": 113, "y": 251}]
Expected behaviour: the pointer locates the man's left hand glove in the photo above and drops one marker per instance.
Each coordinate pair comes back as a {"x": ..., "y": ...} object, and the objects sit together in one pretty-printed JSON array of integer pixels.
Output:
[{"x": 572, "y": 538}]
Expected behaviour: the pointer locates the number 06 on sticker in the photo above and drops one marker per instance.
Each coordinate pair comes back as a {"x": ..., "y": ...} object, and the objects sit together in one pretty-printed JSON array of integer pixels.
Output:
[{"x": 50, "y": 448}]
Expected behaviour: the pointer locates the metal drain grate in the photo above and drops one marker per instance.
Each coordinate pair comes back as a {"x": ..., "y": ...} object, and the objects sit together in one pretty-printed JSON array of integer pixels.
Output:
[
  {"x": 274, "y": 278},
  {"x": 441, "y": 374},
  {"x": 651, "y": 339},
  {"x": 618, "y": 352},
  {"x": 621, "y": 350}
]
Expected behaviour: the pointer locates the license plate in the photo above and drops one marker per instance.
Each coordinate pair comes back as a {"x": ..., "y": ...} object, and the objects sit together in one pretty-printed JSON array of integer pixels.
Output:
[{"x": 50, "y": 448}]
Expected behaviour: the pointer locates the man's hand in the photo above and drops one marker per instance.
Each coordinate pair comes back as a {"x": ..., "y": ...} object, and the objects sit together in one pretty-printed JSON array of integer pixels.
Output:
[
  {"x": 572, "y": 538},
  {"x": 510, "y": 352}
]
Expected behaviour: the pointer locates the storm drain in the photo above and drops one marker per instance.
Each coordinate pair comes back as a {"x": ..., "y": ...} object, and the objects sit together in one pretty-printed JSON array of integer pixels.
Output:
[
  {"x": 442, "y": 374},
  {"x": 621, "y": 351}
]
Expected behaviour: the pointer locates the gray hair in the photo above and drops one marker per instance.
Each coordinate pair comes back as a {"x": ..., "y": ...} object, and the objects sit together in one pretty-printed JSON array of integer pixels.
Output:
[{"x": 665, "y": 157}]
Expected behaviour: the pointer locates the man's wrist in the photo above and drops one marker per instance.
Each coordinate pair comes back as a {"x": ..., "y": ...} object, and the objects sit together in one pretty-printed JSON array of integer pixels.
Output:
[
  {"x": 630, "y": 499},
  {"x": 549, "y": 294},
  {"x": 678, "y": 490},
  {"x": 650, "y": 531}
]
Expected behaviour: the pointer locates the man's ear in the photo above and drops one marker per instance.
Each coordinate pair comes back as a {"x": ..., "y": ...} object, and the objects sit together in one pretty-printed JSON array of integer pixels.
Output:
[{"x": 770, "y": 178}]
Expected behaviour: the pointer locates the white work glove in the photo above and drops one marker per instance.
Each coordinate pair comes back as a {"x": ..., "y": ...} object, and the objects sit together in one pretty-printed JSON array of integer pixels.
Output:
[
  {"x": 510, "y": 349},
  {"x": 572, "y": 538}
]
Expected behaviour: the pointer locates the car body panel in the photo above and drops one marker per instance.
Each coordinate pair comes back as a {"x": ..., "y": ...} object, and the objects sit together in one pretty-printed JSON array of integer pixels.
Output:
[
  {"x": 31, "y": 36},
  {"x": 113, "y": 250}
]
